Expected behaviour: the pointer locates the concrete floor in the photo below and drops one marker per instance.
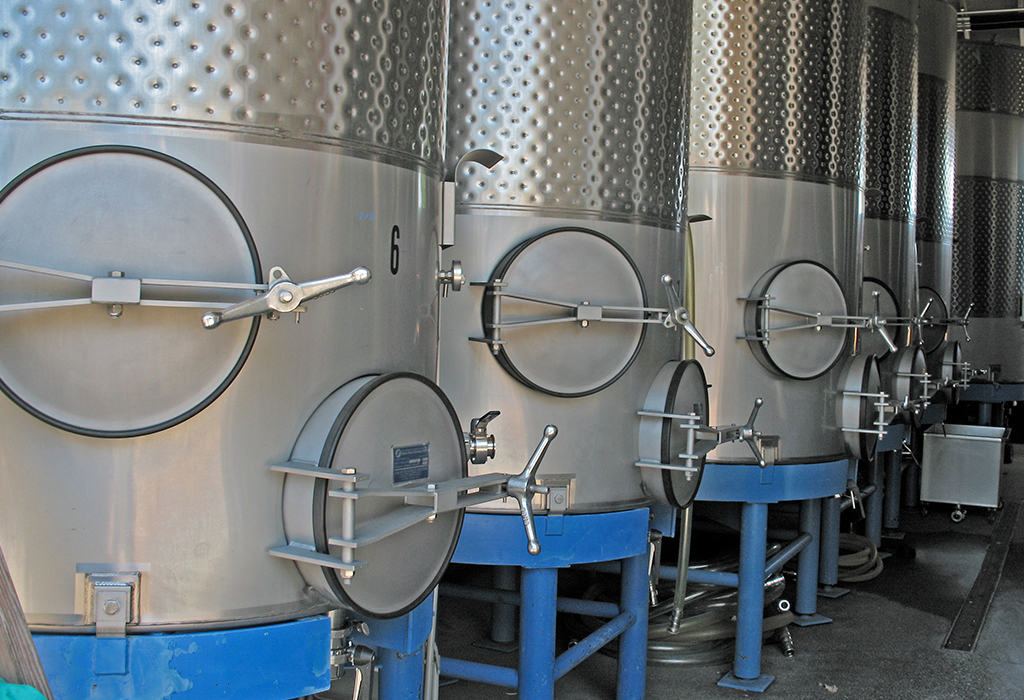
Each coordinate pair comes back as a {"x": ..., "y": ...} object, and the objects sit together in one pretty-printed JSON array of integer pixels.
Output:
[{"x": 885, "y": 641}]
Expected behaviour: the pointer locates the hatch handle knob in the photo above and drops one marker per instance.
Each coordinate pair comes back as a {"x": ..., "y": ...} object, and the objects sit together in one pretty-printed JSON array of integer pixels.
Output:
[
  {"x": 524, "y": 486},
  {"x": 284, "y": 296},
  {"x": 452, "y": 279}
]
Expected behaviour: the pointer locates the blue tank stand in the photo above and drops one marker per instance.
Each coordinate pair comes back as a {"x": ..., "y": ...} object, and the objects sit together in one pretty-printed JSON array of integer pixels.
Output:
[
  {"x": 500, "y": 540},
  {"x": 754, "y": 488},
  {"x": 270, "y": 662}
]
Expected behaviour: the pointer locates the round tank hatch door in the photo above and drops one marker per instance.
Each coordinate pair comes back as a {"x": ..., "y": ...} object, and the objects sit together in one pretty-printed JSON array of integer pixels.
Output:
[
  {"x": 680, "y": 394},
  {"x": 858, "y": 405},
  {"x": 876, "y": 298},
  {"x": 395, "y": 435},
  {"x": 780, "y": 320},
  {"x": 100, "y": 320},
  {"x": 568, "y": 306}
]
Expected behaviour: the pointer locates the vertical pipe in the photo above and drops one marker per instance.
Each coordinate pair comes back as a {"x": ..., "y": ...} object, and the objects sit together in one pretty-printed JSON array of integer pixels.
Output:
[
  {"x": 503, "y": 620},
  {"x": 633, "y": 642},
  {"x": 750, "y": 598},
  {"x": 539, "y": 588},
  {"x": 828, "y": 573},
  {"x": 893, "y": 479},
  {"x": 807, "y": 562},
  {"x": 873, "y": 504}
]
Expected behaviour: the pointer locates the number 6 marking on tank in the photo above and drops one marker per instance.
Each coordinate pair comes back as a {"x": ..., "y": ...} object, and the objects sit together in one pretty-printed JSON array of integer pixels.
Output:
[{"x": 395, "y": 235}]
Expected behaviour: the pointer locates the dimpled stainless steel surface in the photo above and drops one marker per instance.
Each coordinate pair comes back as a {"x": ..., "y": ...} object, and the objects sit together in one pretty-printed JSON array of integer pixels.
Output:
[
  {"x": 890, "y": 254},
  {"x": 360, "y": 72},
  {"x": 891, "y": 147},
  {"x": 776, "y": 160},
  {"x": 776, "y": 88},
  {"x": 990, "y": 77},
  {"x": 586, "y": 100},
  {"x": 988, "y": 258}
]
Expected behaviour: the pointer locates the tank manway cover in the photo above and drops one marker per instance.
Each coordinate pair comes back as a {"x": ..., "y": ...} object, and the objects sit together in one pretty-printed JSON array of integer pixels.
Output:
[
  {"x": 396, "y": 434},
  {"x": 781, "y": 320},
  {"x": 680, "y": 390},
  {"x": 100, "y": 314},
  {"x": 570, "y": 302}
]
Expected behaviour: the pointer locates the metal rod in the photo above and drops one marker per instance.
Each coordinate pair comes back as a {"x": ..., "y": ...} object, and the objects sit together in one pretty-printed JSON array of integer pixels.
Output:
[
  {"x": 585, "y": 648},
  {"x": 481, "y": 673},
  {"x": 682, "y": 568},
  {"x": 779, "y": 559}
]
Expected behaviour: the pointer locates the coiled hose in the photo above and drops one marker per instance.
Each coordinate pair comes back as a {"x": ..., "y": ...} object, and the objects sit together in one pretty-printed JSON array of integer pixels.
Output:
[
  {"x": 858, "y": 558},
  {"x": 707, "y": 633}
]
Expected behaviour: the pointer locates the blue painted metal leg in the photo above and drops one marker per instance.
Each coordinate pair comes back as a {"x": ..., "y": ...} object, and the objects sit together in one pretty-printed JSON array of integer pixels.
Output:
[
  {"x": 633, "y": 642},
  {"x": 828, "y": 573},
  {"x": 538, "y": 589},
  {"x": 893, "y": 481},
  {"x": 401, "y": 675},
  {"x": 746, "y": 673},
  {"x": 503, "y": 624},
  {"x": 873, "y": 504},
  {"x": 984, "y": 414},
  {"x": 806, "y": 606}
]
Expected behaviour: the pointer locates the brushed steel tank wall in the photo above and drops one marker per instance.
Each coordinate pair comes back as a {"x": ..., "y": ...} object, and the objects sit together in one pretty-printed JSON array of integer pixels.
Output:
[
  {"x": 890, "y": 255},
  {"x": 777, "y": 160},
  {"x": 776, "y": 88},
  {"x": 988, "y": 252},
  {"x": 586, "y": 100},
  {"x": 371, "y": 74}
]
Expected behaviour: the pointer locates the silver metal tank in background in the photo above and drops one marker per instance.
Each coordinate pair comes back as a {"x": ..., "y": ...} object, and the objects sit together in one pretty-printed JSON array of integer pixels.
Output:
[
  {"x": 890, "y": 251},
  {"x": 890, "y": 257},
  {"x": 148, "y": 144},
  {"x": 988, "y": 253},
  {"x": 776, "y": 161},
  {"x": 586, "y": 101},
  {"x": 936, "y": 127}
]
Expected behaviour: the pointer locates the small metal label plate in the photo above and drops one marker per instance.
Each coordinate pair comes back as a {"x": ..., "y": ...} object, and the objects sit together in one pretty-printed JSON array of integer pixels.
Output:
[{"x": 410, "y": 462}]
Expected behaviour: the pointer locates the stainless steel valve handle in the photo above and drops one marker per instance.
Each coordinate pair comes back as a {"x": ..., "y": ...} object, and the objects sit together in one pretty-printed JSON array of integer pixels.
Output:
[
  {"x": 523, "y": 487},
  {"x": 284, "y": 296}
]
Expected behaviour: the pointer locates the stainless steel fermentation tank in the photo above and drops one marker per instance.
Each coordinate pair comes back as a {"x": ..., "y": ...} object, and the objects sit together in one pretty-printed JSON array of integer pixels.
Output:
[
  {"x": 777, "y": 162},
  {"x": 162, "y": 160},
  {"x": 586, "y": 101},
  {"x": 988, "y": 253},
  {"x": 936, "y": 125},
  {"x": 890, "y": 287}
]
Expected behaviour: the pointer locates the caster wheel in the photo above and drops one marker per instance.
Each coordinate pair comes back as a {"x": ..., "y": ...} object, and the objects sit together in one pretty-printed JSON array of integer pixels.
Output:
[
  {"x": 991, "y": 516},
  {"x": 957, "y": 515},
  {"x": 923, "y": 510}
]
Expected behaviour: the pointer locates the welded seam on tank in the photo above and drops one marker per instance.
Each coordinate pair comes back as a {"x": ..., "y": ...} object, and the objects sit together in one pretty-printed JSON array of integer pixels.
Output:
[{"x": 255, "y": 134}]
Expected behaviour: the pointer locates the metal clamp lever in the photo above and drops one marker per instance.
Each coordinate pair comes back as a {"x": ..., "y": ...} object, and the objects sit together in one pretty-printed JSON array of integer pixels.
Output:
[
  {"x": 963, "y": 321},
  {"x": 679, "y": 316},
  {"x": 524, "y": 486},
  {"x": 702, "y": 439},
  {"x": 363, "y": 661},
  {"x": 584, "y": 313},
  {"x": 284, "y": 296}
]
